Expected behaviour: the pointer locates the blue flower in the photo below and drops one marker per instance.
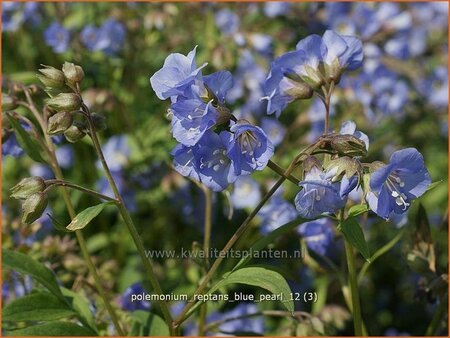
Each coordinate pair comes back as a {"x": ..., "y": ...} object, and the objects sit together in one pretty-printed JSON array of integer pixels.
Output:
[
  {"x": 65, "y": 156},
  {"x": 57, "y": 37},
  {"x": 248, "y": 147},
  {"x": 11, "y": 147},
  {"x": 227, "y": 21},
  {"x": 347, "y": 50},
  {"x": 319, "y": 195},
  {"x": 247, "y": 324},
  {"x": 246, "y": 193},
  {"x": 116, "y": 151},
  {"x": 273, "y": 9},
  {"x": 184, "y": 161},
  {"x": 41, "y": 170},
  {"x": 108, "y": 38},
  {"x": 128, "y": 305},
  {"x": 318, "y": 235},
  {"x": 177, "y": 73},
  {"x": 276, "y": 213},
  {"x": 395, "y": 185}
]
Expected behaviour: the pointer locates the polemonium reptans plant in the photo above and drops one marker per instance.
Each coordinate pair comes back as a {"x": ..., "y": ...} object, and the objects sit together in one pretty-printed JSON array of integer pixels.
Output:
[{"x": 265, "y": 146}]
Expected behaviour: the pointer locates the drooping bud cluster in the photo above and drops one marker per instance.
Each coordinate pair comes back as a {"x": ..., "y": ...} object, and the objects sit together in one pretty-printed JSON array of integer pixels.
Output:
[
  {"x": 213, "y": 148},
  {"x": 31, "y": 190}
]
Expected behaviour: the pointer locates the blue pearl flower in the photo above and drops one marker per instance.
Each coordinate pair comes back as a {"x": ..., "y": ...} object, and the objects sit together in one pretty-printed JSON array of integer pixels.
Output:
[
  {"x": 248, "y": 147},
  {"x": 395, "y": 185},
  {"x": 108, "y": 38},
  {"x": 128, "y": 305},
  {"x": 319, "y": 195},
  {"x": 11, "y": 147},
  {"x": 57, "y": 37},
  {"x": 276, "y": 213},
  {"x": 246, "y": 193},
  {"x": 177, "y": 73},
  {"x": 274, "y": 130},
  {"x": 318, "y": 235}
]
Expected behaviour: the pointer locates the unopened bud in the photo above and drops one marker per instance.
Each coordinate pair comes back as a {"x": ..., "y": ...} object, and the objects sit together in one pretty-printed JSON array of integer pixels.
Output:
[
  {"x": 313, "y": 78},
  {"x": 333, "y": 71},
  {"x": 51, "y": 77},
  {"x": 75, "y": 132},
  {"x": 27, "y": 187},
  {"x": 311, "y": 162},
  {"x": 73, "y": 73},
  {"x": 8, "y": 102},
  {"x": 343, "y": 166},
  {"x": 59, "y": 123},
  {"x": 99, "y": 121},
  {"x": 65, "y": 102},
  {"x": 344, "y": 145},
  {"x": 33, "y": 207},
  {"x": 299, "y": 90}
]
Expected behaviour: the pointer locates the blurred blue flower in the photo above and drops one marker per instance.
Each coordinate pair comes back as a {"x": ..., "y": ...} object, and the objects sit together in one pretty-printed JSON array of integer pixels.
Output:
[
  {"x": 31, "y": 13},
  {"x": 125, "y": 190},
  {"x": 11, "y": 147},
  {"x": 11, "y": 16},
  {"x": 248, "y": 147},
  {"x": 177, "y": 73},
  {"x": 116, "y": 151},
  {"x": 276, "y": 213},
  {"x": 57, "y": 37},
  {"x": 108, "y": 38},
  {"x": 247, "y": 324},
  {"x": 15, "y": 286},
  {"x": 246, "y": 193},
  {"x": 318, "y": 235},
  {"x": 227, "y": 21},
  {"x": 41, "y": 170},
  {"x": 273, "y": 9},
  {"x": 65, "y": 156},
  {"x": 395, "y": 185},
  {"x": 319, "y": 195},
  {"x": 262, "y": 43},
  {"x": 435, "y": 87},
  {"x": 274, "y": 130},
  {"x": 125, "y": 299}
]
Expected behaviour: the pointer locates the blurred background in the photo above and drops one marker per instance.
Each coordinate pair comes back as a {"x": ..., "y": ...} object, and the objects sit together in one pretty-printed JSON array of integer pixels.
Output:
[{"x": 399, "y": 98}]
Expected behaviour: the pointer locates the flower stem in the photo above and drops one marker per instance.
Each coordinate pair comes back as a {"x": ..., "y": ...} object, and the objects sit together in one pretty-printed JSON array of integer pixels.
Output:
[
  {"x": 280, "y": 171},
  {"x": 437, "y": 317},
  {"x": 353, "y": 284},
  {"x": 62, "y": 183},
  {"x": 71, "y": 210},
  {"x": 128, "y": 221}
]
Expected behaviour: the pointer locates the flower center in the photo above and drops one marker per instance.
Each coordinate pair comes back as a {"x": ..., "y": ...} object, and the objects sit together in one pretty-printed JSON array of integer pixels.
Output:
[
  {"x": 248, "y": 143},
  {"x": 218, "y": 159},
  {"x": 394, "y": 183}
]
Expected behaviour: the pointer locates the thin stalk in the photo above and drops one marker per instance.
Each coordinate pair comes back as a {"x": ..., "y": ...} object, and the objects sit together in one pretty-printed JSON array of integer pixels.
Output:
[
  {"x": 71, "y": 210},
  {"x": 356, "y": 308},
  {"x": 62, "y": 183},
  {"x": 437, "y": 318},
  {"x": 280, "y": 171},
  {"x": 129, "y": 221},
  {"x": 326, "y": 101}
]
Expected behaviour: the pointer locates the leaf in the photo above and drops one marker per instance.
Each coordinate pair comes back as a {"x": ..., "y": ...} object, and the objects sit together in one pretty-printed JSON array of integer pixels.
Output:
[
  {"x": 354, "y": 234},
  {"x": 81, "y": 306},
  {"x": 27, "y": 265},
  {"x": 86, "y": 216},
  {"x": 28, "y": 144},
  {"x": 357, "y": 210},
  {"x": 39, "y": 306},
  {"x": 264, "y": 241},
  {"x": 264, "y": 278},
  {"x": 57, "y": 224},
  {"x": 433, "y": 185},
  {"x": 148, "y": 324},
  {"x": 53, "y": 329}
]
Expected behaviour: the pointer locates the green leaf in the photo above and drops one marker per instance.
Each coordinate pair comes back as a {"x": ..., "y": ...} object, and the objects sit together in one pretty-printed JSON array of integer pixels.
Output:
[
  {"x": 264, "y": 278},
  {"x": 433, "y": 185},
  {"x": 28, "y": 144},
  {"x": 264, "y": 241},
  {"x": 57, "y": 224},
  {"x": 81, "y": 306},
  {"x": 27, "y": 265},
  {"x": 354, "y": 234},
  {"x": 39, "y": 306},
  {"x": 358, "y": 210},
  {"x": 53, "y": 329},
  {"x": 148, "y": 324},
  {"x": 86, "y": 216}
]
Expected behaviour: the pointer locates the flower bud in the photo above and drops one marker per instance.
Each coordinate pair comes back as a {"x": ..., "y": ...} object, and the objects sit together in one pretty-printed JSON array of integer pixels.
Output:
[
  {"x": 75, "y": 132},
  {"x": 313, "y": 78},
  {"x": 8, "y": 103},
  {"x": 311, "y": 162},
  {"x": 65, "y": 102},
  {"x": 27, "y": 187},
  {"x": 73, "y": 73},
  {"x": 51, "y": 77},
  {"x": 344, "y": 145},
  {"x": 333, "y": 71},
  {"x": 33, "y": 207},
  {"x": 59, "y": 123},
  {"x": 343, "y": 166},
  {"x": 297, "y": 89},
  {"x": 99, "y": 121}
]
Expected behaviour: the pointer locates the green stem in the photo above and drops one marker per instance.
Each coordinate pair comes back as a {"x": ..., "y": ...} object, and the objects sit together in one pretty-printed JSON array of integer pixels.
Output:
[
  {"x": 280, "y": 171},
  {"x": 129, "y": 222},
  {"x": 71, "y": 210},
  {"x": 437, "y": 318},
  {"x": 353, "y": 284},
  {"x": 62, "y": 183}
]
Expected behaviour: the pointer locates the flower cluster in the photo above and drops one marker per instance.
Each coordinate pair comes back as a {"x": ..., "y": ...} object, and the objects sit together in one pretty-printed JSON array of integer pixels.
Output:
[{"x": 214, "y": 147}]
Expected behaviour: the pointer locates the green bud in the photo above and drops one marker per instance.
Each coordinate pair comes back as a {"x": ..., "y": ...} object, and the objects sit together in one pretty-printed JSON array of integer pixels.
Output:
[
  {"x": 298, "y": 89},
  {"x": 344, "y": 166},
  {"x": 59, "y": 123},
  {"x": 343, "y": 145},
  {"x": 73, "y": 73},
  {"x": 65, "y": 102},
  {"x": 8, "y": 103},
  {"x": 313, "y": 78},
  {"x": 33, "y": 207},
  {"x": 27, "y": 187},
  {"x": 75, "y": 132},
  {"x": 333, "y": 72},
  {"x": 51, "y": 77},
  {"x": 99, "y": 121}
]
